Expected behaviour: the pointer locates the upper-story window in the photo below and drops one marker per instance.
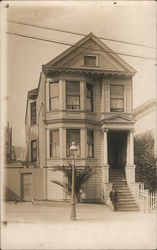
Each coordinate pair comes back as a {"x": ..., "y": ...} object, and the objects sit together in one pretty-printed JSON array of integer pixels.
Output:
[
  {"x": 117, "y": 98},
  {"x": 33, "y": 151},
  {"x": 89, "y": 96},
  {"x": 54, "y": 96},
  {"x": 33, "y": 113},
  {"x": 73, "y": 135},
  {"x": 90, "y": 61},
  {"x": 73, "y": 95},
  {"x": 54, "y": 143},
  {"x": 90, "y": 143}
]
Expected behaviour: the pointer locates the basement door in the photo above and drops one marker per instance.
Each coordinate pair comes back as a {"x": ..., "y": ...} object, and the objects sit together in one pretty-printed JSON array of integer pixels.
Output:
[{"x": 26, "y": 186}]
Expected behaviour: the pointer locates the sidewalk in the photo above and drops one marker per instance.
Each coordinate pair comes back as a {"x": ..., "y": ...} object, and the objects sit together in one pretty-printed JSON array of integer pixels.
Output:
[{"x": 47, "y": 226}]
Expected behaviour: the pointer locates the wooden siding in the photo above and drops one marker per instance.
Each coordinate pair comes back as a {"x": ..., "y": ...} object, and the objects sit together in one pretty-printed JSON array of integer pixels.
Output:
[{"x": 146, "y": 122}]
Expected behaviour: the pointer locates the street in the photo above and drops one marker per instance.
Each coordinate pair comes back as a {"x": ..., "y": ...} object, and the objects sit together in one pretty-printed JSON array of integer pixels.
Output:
[{"x": 47, "y": 225}]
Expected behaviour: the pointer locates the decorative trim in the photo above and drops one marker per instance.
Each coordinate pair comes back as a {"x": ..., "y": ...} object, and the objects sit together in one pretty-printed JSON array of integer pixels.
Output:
[{"x": 62, "y": 120}]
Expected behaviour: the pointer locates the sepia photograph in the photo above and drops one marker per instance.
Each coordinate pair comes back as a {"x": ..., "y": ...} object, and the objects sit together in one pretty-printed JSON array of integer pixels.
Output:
[{"x": 78, "y": 125}]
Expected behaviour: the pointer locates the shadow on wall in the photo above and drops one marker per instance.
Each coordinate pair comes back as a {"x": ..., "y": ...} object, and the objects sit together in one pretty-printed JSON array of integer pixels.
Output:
[{"x": 9, "y": 195}]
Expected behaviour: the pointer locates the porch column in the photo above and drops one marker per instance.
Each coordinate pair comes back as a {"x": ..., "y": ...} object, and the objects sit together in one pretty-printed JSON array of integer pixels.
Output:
[
  {"x": 106, "y": 185},
  {"x": 131, "y": 147},
  {"x": 130, "y": 168},
  {"x": 105, "y": 170},
  {"x": 105, "y": 148}
]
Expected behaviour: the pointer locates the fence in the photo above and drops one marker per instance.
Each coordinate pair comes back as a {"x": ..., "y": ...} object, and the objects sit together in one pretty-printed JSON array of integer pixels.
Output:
[
  {"x": 153, "y": 202},
  {"x": 150, "y": 199}
]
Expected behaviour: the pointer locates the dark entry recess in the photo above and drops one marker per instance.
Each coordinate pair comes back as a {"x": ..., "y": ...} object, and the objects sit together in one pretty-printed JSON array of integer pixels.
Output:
[{"x": 117, "y": 149}]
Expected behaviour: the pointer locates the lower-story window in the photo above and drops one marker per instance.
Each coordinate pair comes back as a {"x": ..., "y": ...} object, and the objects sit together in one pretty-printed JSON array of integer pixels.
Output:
[
  {"x": 90, "y": 143},
  {"x": 54, "y": 143},
  {"x": 73, "y": 135},
  {"x": 33, "y": 151}
]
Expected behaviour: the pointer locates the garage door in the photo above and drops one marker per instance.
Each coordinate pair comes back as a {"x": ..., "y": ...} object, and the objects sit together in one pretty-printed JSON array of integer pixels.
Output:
[
  {"x": 26, "y": 181},
  {"x": 54, "y": 191}
]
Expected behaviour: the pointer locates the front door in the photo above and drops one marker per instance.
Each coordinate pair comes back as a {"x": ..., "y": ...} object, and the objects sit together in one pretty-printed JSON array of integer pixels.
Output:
[
  {"x": 117, "y": 145},
  {"x": 26, "y": 186}
]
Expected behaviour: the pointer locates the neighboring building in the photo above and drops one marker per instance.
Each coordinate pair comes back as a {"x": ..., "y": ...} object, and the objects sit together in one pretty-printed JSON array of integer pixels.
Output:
[
  {"x": 20, "y": 153},
  {"x": 9, "y": 148},
  {"x": 146, "y": 120},
  {"x": 84, "y": 95}
]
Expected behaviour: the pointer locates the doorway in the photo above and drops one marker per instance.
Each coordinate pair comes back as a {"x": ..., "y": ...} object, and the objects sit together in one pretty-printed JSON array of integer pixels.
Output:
[
  {"x": 26, "y": 186},
  {"x": 117, "y": 149}
]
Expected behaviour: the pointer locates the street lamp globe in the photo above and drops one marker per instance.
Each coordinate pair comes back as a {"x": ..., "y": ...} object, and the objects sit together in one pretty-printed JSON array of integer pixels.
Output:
[{"x": 73, "y": 147}]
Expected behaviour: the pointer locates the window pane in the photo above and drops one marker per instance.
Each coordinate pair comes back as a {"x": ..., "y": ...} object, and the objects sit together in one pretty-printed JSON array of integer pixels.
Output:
[
  {"x": 73, "y": 88},
  {"x": 90, "y": 60},
  {"x": 33, "y": 150},
  {"x": 89, "y": 104},
  {"x": 90, "y": 143},
  {"x": 54, "y": 89},
  {"x": 89, "y": 89},
  {"x": 117, "y": 91},
  {"x": 89, "y": 96},
  {"x": 54, "y": 103},
  {"x": 54, "y": 143},
  {"x": 73, "y": 102},
  {"x": 33, "y": 113},
  {"x": 117, "y": 105},
  {"x": 73, "y": 135}
]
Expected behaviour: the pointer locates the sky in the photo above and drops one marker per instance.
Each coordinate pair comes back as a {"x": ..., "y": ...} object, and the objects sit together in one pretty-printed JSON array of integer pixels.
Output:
[{"x": 130, "y": 21}]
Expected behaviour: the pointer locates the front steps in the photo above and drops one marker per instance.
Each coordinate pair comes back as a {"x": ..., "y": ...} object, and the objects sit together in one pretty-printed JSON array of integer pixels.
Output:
[{"x": 125, "y": 201}]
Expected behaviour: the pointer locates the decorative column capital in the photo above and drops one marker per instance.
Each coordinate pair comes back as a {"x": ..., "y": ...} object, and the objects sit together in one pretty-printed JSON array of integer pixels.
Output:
[
  {"x": 132, "y": 130},
  {"x": 105, "y": 130}
]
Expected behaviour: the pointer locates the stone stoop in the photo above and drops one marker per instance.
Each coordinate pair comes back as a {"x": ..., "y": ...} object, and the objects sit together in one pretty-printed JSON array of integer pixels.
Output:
[{"x": 125, "y": 201}]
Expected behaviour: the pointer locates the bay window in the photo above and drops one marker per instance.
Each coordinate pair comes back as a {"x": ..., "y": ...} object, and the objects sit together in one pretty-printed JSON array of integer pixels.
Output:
[
  {"x": 53, "y": 96},
  {"x": 89, "y": 97},
  {"x": 54, "y": 143},
  {"x": 117, "y": 98},
  {"x": 73, "y": 95},
  {"x": 73, "y": 135},
  {"x": 90, "y": 143}
]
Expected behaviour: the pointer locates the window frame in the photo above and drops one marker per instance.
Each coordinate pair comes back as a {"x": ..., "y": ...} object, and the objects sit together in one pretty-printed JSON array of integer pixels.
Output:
[
  {"x": 88, "y": 97},
  {"x": 90, "y": 56},
  {"x": 55, "y": 97},
  {"x": 117, "y": 98},
  {"x": 69, "y": 144},
  {"x": 31, "y": 113},
  {"x": 51, "y": 144},
  {"x": 72, "y": 95},
  {"x": 90, "y": 131},
  {"x": 32, "y": 152}
]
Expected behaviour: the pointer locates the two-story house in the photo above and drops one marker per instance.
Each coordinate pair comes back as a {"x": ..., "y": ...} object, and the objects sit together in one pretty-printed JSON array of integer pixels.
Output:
[
  {"x": 84, "y": 96},
  {"x": 146, "y": 118}
]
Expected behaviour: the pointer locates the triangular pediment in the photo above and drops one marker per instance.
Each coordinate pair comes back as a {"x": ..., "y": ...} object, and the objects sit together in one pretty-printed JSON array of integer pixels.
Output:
[
  {"x": 117, "y": 119},
  {"x": 90, "y": 45}
]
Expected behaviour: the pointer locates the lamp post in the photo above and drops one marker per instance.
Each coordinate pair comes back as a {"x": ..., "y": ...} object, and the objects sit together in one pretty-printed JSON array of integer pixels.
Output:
[{"x": 73, "y": 148}]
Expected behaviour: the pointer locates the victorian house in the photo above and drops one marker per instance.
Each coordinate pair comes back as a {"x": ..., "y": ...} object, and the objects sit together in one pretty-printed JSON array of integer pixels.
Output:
[{"x": 84, "y": 96}]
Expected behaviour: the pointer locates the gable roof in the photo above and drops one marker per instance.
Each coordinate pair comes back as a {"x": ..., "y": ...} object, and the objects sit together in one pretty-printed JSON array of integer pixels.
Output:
[{"x": 81, "y": 44}]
